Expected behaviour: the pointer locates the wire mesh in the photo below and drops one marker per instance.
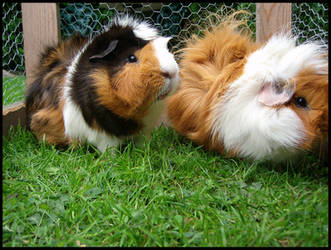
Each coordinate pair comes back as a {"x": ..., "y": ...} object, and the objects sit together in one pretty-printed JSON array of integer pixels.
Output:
[
  {"x": 310, "y": 21},
  {"x": 176, "y": 19},
  {"x": 13, "y": 68},
  {"x": 173, "y": 19}
]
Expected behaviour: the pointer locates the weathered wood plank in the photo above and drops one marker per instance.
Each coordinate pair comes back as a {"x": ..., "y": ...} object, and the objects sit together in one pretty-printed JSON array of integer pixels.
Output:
[
  {"x": 41, "y": 28},
  {"x": 272, "y": 18},
  {"x": 12, "y": 115}
]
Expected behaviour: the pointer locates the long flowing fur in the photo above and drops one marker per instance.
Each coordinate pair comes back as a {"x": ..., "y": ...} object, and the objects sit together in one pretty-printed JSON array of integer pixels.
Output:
[
  {"x": 206, "y": 69},
  {"x": 222, "y": 75}
]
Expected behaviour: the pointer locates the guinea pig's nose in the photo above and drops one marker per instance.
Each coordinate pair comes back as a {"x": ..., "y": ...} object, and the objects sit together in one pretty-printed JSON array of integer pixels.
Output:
[
  {"x": 169, "y": 74},
  {"x": 166, "y": 74}
]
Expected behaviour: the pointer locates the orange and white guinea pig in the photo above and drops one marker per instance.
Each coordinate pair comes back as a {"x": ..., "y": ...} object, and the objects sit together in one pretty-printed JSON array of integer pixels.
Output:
[
  {"x": 252, "y": 100},
  {"x": 102, "y": 89}
]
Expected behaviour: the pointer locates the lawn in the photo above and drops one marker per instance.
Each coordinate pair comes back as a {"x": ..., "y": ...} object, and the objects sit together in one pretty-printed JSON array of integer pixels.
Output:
[
  {"x": 167, "y": 193},
  {"x": 13, "y": 89}
]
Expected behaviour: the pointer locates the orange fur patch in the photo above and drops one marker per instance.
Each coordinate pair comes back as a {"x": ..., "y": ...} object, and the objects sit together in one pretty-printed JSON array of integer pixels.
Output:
[
  {"x": 48, "y": 123},
  {"x": 131, "y": 91},
  {"x": 314, "y": 88}
]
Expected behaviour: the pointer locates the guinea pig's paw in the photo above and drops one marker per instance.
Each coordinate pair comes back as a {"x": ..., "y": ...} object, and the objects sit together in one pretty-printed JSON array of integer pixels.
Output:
[
  {"x": 276, "y": 93},
  {"x": 109, "y": 150}
]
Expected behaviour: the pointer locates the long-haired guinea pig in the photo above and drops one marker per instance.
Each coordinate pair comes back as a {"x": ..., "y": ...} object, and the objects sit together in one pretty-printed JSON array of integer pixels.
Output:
[
  {"x": 251, "y": 100},
  {"x": 104, "y": 89}
]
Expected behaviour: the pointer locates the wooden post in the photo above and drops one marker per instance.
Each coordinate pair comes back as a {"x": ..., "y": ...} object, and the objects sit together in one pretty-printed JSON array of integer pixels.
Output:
[
  {"x": 272, "y": 18},
  {"x": 41, "y": 27}
]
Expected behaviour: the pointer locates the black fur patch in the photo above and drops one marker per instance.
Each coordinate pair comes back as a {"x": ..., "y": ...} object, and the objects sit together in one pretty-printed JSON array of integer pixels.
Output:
[
  {"x": 32, "y": 95},
  {"x": 43, "y": 91},
  {"x": 114, "y": 124},
  {"x": 86, "y": 98}
]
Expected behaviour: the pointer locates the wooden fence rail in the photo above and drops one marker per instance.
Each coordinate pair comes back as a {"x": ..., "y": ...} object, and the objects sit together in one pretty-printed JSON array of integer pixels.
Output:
[{"x": 41, "y": 27}]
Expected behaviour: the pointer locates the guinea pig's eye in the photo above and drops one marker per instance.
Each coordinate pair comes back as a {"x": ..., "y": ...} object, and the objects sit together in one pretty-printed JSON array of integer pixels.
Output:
[
  {"x": 300, "y": 102},
  {"x": 132, "y": 58}
]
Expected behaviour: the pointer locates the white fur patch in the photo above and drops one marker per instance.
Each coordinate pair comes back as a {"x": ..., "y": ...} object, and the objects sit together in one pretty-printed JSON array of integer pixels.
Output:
[
  {"x": 141, "y": 29},
  {"x": 76, "y": 127},
  {"x": 253, "y": 129},
  {"x": 167, "y": 62},
  {"x": 280, "y": 59}
]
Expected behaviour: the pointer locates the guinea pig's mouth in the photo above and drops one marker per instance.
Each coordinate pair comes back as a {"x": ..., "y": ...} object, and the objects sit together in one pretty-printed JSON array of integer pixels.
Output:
[
  {"x": 165, "y": 90},
  {"x": 163, "y": 94}
]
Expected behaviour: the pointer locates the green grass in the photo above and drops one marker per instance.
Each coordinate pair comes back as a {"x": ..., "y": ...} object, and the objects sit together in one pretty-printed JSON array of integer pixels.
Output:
[
  {"x": 167, "y": 193},
  {"x": 13, "y": 89}
]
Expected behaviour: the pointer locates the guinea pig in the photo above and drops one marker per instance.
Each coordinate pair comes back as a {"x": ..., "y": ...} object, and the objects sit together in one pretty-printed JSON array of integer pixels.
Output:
[
  {"x": 259, "y": 101},
  {"x": 102, "y": 89}
]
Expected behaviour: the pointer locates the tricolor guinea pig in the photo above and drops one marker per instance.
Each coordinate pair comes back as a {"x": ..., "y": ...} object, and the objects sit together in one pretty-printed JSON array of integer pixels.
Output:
[
  {"x": 103, "y": 89},
  {"x": 252, "y": 100}
]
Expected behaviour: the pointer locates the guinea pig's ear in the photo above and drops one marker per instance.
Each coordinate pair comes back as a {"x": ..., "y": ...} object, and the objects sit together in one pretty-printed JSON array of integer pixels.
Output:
[
  {"x": 112, "y": 45},
  {"x": 273, "y": 94}
]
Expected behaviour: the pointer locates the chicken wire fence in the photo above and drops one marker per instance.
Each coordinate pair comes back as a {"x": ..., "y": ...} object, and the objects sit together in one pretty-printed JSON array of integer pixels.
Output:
[{"x": 175, "y": 19}]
